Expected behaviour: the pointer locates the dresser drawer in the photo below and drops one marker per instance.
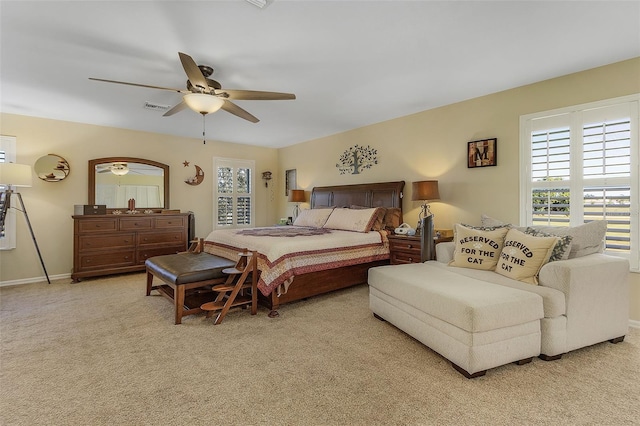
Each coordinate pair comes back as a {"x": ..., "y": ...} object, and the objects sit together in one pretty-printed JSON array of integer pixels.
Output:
[
  {"x": 136, "y": 224},
  {"x": 110, "y": 259},
  {"x": 402, "y": 257},
  {"x": 144, "y": 254},
  {"x": 167, "y": 237},
  {"x": 405, "y": 246},
  {"x": 98, "y": 225},
  {"x": 93, "y": 242},
  {"x": 170, "y": 222}
]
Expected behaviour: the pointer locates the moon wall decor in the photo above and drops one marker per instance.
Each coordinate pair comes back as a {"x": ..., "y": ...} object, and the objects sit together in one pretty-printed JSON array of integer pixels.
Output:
[{"x": 198, "y": 178}]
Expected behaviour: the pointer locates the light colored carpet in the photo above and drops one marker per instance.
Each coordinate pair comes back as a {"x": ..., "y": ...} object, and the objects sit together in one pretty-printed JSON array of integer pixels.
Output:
[{"x": 101, "y": 353}]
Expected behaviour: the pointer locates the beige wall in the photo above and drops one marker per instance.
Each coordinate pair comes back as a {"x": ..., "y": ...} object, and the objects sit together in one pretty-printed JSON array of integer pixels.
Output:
[
  {"x": 427, "y": 145},
  {"x": 50, "y": 205},
  {"x": 432, "y": 145}
]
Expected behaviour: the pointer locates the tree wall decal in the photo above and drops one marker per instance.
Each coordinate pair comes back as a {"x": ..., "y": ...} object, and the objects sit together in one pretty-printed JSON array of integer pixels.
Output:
[{"x": 356, "y": 159}]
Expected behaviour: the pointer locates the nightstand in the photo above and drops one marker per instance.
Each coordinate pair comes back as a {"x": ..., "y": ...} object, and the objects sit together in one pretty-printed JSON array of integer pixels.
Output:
[
  {"x": 408, "y": 249},
  {"x": 405, "y": 249}
]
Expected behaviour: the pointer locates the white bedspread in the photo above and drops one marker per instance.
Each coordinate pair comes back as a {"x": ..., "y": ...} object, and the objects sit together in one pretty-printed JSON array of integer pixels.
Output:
[{"x": 282, "y": 257}]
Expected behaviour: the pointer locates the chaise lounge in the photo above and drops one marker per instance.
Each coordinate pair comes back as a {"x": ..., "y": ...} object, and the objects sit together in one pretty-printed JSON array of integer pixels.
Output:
[{"x": 481, "y": 319}]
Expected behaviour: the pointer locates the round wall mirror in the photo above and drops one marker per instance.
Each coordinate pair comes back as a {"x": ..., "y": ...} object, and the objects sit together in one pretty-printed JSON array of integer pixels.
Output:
[{"x": 52, "y": 168}]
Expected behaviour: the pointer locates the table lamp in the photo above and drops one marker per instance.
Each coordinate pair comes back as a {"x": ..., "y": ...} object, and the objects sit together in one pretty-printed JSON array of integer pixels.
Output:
[
  {"x": 296, "y": 196},
  {"x": 425, "y": 191}
]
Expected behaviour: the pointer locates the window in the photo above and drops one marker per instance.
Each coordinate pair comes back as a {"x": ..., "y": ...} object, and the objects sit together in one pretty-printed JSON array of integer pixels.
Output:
[
  {"x": 580, "y": 164},
  {"x": 233, "y": 193},
  {"x": 8, "y": 155}
]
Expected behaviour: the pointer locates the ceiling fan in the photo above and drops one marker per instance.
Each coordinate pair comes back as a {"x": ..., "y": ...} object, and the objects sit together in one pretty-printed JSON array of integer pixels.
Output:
[
  {"x": 205, "y": 95},
  {"x": 118, "y": 168}
]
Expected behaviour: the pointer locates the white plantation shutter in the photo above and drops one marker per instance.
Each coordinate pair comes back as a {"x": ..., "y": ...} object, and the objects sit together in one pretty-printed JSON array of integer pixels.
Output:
[
  {"x": 580, "y": 164},
  {"x": 233, "y": 193}
]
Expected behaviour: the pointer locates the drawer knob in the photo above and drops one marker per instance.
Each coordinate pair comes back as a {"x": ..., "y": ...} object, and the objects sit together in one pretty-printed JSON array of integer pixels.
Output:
[
  {"x": 411, "y": 259},
  {"x": 409, "y": 246},
  {"x": 126, "y": 258}
]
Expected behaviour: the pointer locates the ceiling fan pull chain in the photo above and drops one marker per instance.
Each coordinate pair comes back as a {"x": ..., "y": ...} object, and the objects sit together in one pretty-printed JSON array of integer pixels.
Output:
[{"x": 204, "y": 140}]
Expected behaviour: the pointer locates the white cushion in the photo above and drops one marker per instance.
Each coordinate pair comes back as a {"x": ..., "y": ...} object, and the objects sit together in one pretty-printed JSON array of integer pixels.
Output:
[
  {"x": 467, "y": 303},
  {"x": 585, "y": 239}
]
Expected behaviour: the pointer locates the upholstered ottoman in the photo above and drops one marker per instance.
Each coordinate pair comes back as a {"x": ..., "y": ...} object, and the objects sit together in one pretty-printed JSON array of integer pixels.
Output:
[
  {"x": 185, "y": 271},
  {"x": 474, "y": 324}
]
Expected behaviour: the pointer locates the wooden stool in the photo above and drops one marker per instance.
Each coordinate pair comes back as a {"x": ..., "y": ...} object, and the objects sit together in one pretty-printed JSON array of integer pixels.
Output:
[{"x": 232, "y": 294}]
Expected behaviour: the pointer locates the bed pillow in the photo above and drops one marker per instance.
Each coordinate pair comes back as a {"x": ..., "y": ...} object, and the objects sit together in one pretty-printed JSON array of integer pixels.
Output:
[
  {"x": 358, "y": 220},
  {"x": 523, "y": 255},
  {"x": 562, "y": 248},
  {"x": 313, "y": 218},
  {"x": 392, "y": 218},
  {"x": 378, "y": 224},
  {"x": 476, "y": 248}
]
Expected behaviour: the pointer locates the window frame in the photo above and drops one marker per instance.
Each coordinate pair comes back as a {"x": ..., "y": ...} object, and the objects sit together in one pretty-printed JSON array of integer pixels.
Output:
[
  {"x": 576, "y": 183},
  {"x": 234, "y": 164}
]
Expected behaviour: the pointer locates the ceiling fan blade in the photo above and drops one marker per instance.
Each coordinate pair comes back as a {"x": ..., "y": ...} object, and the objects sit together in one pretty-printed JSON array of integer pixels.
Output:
[
  {"x": 256, "y": 95},
  {"x": 139, "y": 85},
  {"x": 193, "y": 73},
  {"x": 179, "y": 107},
  {"x": 236, "y": 110}
]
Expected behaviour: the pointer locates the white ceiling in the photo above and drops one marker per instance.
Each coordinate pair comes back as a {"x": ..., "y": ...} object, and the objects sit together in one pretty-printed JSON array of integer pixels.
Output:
[{"x": 350, "y": 63}]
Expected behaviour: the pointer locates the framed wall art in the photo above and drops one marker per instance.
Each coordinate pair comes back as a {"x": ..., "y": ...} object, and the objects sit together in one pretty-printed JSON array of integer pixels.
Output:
[
  {"x": 290, "y": 181},
  {"x": 482, "y": 153}
]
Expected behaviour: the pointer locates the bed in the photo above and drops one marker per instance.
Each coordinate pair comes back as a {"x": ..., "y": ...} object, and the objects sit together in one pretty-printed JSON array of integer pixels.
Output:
[{"x": 313, "y": 266}]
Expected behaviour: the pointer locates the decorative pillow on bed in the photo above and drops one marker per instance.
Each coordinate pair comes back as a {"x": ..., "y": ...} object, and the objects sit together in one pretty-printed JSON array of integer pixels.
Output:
[
  {"x": 562, "y": 248},
  {"x": 477, "y": 249},
  {"x": 358, "y": 220},
  {"x": 313, "y": 218},
  {"x": 392, "y": 218},
  {"x": 378, "y": 224},
  {"x": 523, "y": 255}
]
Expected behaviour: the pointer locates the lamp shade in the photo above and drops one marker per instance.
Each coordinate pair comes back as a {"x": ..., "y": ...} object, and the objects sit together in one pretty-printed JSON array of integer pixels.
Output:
[
  {"x": 425, "y": 190},
  {"x": 297, "y": 196},
  {"x": 12, "y": 174},
  {"x": 203, "y": 103}
]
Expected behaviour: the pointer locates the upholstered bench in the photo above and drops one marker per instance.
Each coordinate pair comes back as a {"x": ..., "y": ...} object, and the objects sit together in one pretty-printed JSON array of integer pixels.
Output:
[
  {"x": 185, "y": 271},
  {"x": 474, "y": 324}
]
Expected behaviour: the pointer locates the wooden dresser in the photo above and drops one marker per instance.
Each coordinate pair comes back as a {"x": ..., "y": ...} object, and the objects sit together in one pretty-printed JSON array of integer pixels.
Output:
[{"x": 113, "y": 244}]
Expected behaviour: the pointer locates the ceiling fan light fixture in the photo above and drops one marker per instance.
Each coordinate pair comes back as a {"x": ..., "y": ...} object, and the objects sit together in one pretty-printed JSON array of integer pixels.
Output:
[
  {"x": 120, "y": 170},
  {"x": 203, "y": 103}
]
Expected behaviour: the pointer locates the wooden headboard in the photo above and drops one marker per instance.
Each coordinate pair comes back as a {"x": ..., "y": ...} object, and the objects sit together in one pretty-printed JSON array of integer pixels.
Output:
[{"x": 382, "y": 194}]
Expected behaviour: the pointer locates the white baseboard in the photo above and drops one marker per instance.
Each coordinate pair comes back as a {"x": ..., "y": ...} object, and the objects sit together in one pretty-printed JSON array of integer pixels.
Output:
[
  {"x": 41, "y": 279},
  {"x": 634, "y": 323}
]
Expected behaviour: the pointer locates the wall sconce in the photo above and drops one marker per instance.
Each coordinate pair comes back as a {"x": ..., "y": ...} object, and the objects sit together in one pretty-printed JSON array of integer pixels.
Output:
[
  {"x": 266, "y": 176},
  {"x": 296, "y": 196}
]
